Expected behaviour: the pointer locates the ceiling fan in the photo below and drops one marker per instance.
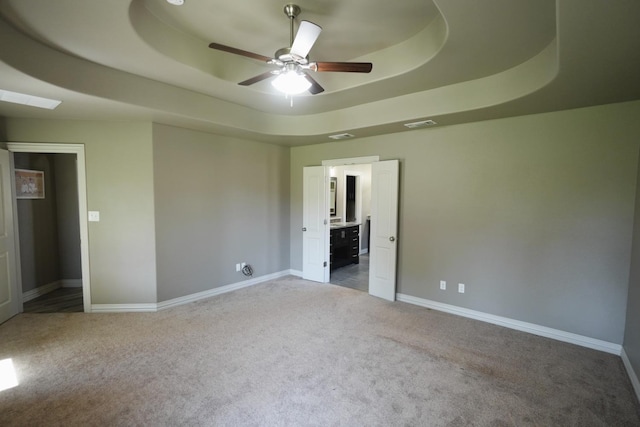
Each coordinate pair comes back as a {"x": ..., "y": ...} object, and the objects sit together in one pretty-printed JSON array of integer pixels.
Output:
[{"x": 293, "y": 66}]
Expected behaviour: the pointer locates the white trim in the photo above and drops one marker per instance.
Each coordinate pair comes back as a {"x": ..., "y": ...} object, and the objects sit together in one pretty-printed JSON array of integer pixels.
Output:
[
  {"x": 221, "y": 290},
  {"x": 78, "y": 150},
  {"x": 632, "y": 374},
  {"x": 351, "y": 161},
  {"x": 124, "y": 308},
  {"x": 40, "y": 290},
  {"x": 71, "y": 283},
  {"x": 531, "y": 328},
  {"x": 297, "y": 273},
  {"x": 153, "y": 307}
]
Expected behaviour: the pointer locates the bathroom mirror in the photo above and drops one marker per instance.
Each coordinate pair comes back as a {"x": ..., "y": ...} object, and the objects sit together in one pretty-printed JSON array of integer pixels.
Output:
[{"x": 332, "y": 195}]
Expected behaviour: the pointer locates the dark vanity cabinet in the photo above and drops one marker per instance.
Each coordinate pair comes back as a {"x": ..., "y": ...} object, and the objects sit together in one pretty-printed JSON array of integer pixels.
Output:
[{"x": 344, "y": 246}]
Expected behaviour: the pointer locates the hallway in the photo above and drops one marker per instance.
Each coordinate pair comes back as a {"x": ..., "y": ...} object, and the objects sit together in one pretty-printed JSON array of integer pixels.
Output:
[{"x": 62, "y": 300}]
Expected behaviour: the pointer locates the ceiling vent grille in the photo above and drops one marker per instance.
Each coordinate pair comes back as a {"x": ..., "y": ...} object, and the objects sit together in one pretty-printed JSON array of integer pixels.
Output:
[
  {"x": 341, "y": 136},
  {"x": 421, "y": 124}
]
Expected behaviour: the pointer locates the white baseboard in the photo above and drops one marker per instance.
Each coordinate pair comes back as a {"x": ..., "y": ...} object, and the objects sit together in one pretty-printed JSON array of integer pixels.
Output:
[
  {"x": 40, "y": 290},
  {"x": 153, "y": 307},
  {"x": 124, "y": 308},
  {"x": 531, "y": 328},
  {"x": 50, "y": 287},
  {"x": 71, "y": 283},
  {"x": 221, "y": 290},
  {"x": 632, "y": 374},
  {"x": 297, "y": 273}
]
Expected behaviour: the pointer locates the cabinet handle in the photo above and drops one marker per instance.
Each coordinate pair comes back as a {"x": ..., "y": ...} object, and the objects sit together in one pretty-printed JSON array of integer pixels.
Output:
[
  {"x": 392, "y": 239},
  {"x": 304, "y": 228}
]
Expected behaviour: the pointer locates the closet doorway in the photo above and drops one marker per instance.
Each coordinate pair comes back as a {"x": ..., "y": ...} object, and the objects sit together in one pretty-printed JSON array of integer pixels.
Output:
[{"x": 51, "y": 238}]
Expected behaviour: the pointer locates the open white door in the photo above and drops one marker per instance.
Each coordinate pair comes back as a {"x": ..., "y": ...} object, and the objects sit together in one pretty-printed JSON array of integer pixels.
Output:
[
  {"x": 10, "y": 298},
  {"x": 384, "y": 227},
  {"x": 315, "y": 227}
]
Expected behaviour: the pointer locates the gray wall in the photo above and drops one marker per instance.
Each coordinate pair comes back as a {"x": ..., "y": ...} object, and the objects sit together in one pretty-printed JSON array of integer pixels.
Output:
[
  {"x": 38, "y": 228},
  {"x": 632, "y": 331},
  {"x": 534, "y": 214},
  {"x": 66, "y": 182},
  {"x": 218, "y": 201}
]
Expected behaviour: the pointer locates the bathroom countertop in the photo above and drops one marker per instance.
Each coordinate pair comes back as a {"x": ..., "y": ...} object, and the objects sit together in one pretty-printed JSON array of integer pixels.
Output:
[{"x": 335, "y": 225}]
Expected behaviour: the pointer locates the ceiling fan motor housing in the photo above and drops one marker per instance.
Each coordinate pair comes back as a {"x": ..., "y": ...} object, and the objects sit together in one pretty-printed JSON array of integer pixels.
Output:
[
  {"x": 285, "y": 56},
  {"x": 292, "y": 10}
]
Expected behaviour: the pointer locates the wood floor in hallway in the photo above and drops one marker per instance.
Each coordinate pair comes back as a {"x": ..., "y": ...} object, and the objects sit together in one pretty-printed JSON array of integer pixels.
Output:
[{"x": 62, "y": 300}]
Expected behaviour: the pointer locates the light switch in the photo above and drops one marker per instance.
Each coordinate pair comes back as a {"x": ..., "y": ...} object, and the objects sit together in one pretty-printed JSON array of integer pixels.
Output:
[{"x": 94, "y": 216}]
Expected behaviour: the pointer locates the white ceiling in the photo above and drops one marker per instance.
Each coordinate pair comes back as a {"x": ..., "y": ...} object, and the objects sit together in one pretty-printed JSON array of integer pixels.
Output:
[{"x": 452, "y": 61}]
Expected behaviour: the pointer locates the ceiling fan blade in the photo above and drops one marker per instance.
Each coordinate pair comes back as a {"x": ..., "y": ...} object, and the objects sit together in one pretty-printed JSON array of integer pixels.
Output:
[
  {"x": 315, "y": 86},
  {"x": 306, "y": 36},
  {"x": 241, "y": 52},
  {"x": 257, "y": 79},
  {"x": 345, "y": 67}
]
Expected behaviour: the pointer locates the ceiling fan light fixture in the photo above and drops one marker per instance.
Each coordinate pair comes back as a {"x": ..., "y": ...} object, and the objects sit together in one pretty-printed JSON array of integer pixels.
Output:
[
  {"x": 291, "y": 83},
  {"x": 293, "y": 61},
  {"x": 176, "y": 2}
]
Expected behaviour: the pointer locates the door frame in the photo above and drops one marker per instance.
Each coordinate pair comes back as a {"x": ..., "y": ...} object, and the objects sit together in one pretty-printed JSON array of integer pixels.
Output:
[{"x": 78, "y": 150}]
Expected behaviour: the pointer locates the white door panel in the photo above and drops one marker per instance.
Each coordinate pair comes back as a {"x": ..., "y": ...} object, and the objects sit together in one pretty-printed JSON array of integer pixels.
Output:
[
  {"x": 384, "y": 226},
  {"x": 10, "y": 298},
  {"x": 315, "y": 228}
]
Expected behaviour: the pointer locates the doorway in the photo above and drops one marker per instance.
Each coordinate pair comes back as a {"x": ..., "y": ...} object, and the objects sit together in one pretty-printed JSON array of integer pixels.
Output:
[
  {"x": 316, "y": 246},
  {"x": 351, "y": 216},
  {"x": 63, "y": 161},
  {"x": 48, "y": 232}
]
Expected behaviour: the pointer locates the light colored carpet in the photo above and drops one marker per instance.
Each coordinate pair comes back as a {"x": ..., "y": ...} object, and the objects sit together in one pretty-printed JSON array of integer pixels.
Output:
[{"x": 291, "y": 352}]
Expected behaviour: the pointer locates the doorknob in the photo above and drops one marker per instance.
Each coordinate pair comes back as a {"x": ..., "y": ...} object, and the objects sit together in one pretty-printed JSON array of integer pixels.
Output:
[
  {"x": 304, "y": 228},
  {"x": 392, "y": 239}
]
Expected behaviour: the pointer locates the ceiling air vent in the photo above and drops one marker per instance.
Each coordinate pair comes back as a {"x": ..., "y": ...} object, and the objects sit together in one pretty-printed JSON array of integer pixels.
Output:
[
  {"x": 341, "y": 136},
  {"x": 421, "y": 124}
]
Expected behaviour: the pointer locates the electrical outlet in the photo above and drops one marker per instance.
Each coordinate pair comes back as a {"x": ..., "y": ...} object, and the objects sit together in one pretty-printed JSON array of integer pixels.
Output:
[
  {"x": 238, "y": 268},
  {"x": 443, "y": 285},
  {"x": 461, "y": 288}
]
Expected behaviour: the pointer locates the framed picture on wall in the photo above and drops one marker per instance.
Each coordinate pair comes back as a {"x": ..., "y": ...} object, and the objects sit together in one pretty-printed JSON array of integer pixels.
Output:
[{"x": 29, "y": 184}]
